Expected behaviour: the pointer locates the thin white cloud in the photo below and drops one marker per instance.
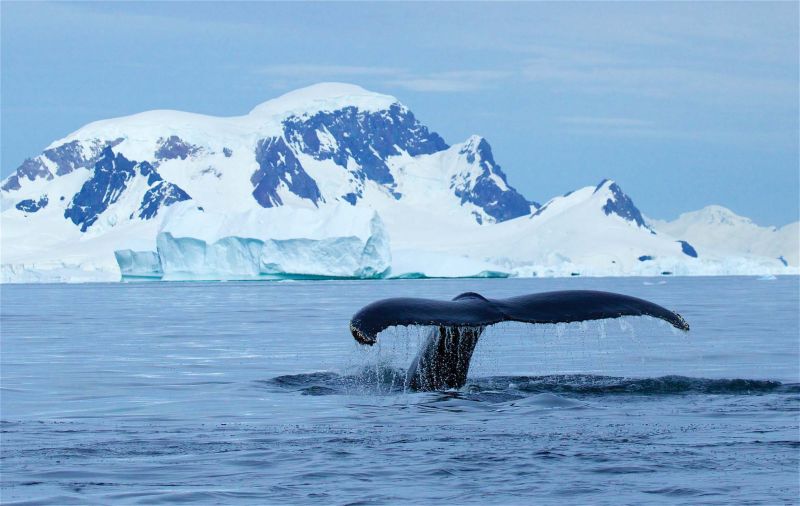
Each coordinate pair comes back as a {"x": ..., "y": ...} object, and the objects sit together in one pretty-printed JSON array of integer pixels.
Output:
[
  {"x": 322, "y": 70},
  {"x": 756, "y": 32},
  {"x": 453, "y": 81},
  {"x": 618, "y": 127},
  {"x": 592, "y": 72},
  {"x": 448, "y": 81},
  {"x": 764, "y": 140},
  {"x": 435, "y": 84},
  {"x": 589, "y": 71},
  {"x": 604, "y": 122},
  {"x": 609, "y": 126}
]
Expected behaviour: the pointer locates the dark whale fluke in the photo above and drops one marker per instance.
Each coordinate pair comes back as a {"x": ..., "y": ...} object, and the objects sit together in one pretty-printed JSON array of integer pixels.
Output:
[{"x": 443, "y": 361}]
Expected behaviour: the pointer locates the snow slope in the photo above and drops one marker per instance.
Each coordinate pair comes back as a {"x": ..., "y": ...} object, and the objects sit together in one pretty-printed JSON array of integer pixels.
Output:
[
  {"x": 717, "y": 229},
  {"x": 328, "y": 181},
  {"x": 593, "y": 231}
]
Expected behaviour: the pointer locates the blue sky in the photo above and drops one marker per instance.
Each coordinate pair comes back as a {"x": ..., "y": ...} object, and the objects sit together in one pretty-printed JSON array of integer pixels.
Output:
[{"x": 683, "y": 104}]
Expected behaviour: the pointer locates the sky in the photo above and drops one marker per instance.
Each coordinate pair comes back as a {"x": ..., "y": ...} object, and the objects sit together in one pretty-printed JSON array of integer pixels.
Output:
[{"x": 683, "y": 104}]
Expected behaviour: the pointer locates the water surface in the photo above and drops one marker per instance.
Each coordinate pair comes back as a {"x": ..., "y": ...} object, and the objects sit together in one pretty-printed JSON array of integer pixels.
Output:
[{"x": 256, "y": 393}]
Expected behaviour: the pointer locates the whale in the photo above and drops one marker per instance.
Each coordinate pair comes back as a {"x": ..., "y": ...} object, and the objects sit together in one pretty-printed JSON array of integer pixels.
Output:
[{"x": 444, "y": 358}]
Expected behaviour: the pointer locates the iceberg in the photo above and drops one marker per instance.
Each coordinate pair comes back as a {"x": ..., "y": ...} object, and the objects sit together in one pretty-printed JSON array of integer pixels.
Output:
[
  {"x": 252, "y": 254},
  {"x": 138, "y": 264}
]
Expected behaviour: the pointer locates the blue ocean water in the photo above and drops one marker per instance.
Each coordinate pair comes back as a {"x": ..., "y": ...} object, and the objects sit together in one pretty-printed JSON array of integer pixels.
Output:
[{"x": 221, "y": 393}]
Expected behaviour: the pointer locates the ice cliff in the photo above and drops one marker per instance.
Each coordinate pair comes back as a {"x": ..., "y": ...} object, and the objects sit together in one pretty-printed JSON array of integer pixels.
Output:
[{"x": 194, "y": 244}]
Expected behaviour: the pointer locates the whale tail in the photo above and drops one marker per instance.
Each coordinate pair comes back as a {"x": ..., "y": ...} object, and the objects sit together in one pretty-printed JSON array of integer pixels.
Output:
[{"x": 443, "y": 362}]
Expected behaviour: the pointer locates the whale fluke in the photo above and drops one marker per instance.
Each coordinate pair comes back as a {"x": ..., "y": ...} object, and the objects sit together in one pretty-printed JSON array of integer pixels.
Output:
[{"x": 444, "y": 359}]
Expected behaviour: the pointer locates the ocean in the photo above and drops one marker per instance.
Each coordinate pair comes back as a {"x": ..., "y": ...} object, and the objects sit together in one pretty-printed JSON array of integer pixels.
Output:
[{"x": 256, "y": 393}]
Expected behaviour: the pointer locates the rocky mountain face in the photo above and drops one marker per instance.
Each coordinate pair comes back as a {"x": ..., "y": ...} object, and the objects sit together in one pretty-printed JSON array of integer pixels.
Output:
[{"x": 358, "y": 142}]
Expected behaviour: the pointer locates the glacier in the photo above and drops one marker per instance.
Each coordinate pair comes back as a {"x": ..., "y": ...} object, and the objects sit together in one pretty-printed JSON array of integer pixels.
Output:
[
  {"x": 333, "y": 181},
  {"x": 192, "y": 245},
  {"x": 139, "y": 264}
]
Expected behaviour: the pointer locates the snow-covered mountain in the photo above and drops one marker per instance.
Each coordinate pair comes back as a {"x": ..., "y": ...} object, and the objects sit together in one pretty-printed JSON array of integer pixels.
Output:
[
  {"x": 329, "y": 180},
  {"x": 718, "y": 229}
]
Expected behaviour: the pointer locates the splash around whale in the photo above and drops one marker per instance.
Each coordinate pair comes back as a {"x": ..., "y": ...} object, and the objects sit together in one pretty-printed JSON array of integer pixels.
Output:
[{"x": 443, "y": 361}]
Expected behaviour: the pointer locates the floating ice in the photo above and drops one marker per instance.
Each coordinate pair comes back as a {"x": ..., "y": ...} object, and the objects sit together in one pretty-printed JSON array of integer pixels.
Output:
[{"x": 187, "y": 248}]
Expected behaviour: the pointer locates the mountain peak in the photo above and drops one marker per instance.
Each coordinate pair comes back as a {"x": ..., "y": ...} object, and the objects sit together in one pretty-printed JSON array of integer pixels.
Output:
[
  {"x": 605, "y": 183},
  {"x": 715, "y": 215},
  {"x": 619, "y": 203},
  {"x": 325, "y": 97},
  {"x": 487, "y": 186},
  {"x": 477, "y": 146},
  {"x": 473, "y": 142}
]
